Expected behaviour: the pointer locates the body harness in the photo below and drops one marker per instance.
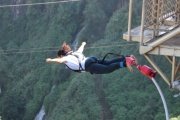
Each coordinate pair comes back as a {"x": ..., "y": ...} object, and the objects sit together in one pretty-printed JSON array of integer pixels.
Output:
[
  {"x": 96, "y": 61},
  {"x": 79, "y": 61}
]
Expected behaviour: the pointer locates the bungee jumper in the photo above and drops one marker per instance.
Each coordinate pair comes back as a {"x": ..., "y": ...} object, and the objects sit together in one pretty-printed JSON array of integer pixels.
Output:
[{"x": 76, "y": 61}]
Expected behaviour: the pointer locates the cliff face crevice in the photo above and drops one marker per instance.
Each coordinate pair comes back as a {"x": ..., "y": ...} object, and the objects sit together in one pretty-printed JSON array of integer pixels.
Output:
[{"x": 106, "y": 113}]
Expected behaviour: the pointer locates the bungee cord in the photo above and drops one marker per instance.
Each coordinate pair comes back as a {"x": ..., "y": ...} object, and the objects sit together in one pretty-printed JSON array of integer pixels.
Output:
[
  {"x": 41, "y": 3},
  {"x": 151, "y": 74}
]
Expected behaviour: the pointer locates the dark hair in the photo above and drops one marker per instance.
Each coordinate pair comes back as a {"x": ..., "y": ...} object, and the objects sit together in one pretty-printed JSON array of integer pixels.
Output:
[
  {"x": 65, "y": 48},
  {"x": 61, "y": 53}
]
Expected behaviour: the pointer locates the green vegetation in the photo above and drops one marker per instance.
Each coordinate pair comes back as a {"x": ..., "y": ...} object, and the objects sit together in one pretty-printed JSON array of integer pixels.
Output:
[{"x": 34, "y": 33}]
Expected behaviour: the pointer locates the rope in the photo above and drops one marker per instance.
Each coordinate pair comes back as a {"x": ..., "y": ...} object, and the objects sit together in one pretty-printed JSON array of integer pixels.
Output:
[
  {"x": 42, "y": 3},
  {"x": 57, "y": 47},
  {"x": 162, "y": 98},
  {"x": 38, "y": 50}
]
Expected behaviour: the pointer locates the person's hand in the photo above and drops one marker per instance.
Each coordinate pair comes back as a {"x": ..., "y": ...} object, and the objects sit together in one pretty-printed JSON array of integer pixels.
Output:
[
  {"x": 83, "y": 43},
  {"x": 48, "y": 60}
]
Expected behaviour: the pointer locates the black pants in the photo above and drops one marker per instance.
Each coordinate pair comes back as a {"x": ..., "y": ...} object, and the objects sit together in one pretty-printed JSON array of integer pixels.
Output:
[{"x": 95, "y": 66}]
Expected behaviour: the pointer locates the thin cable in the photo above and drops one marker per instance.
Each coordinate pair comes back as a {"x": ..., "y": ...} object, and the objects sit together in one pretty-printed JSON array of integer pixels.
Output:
[
  {"x": 52, "y": 50},
  {"x": 105, "y": 46},
  {"x": 42, "y": 3},
  {"x": 57, "y": 47}
]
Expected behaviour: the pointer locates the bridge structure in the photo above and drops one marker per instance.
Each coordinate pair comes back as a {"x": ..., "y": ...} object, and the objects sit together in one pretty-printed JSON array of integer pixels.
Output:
[{"x": 158, "y": 34}]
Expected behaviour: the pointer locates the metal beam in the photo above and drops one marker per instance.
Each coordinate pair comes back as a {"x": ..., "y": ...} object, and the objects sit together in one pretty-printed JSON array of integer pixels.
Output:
[
  {"x": 162, "y": 39},
  {"x": 173, "y": 69},
  {"x": 142, "y": 23},
  {"x": 130, "y": 19},
  {"x": 177, "y": 68},
  {"x": 169, "y": 59},
  {"x": 165, "y": 37}
]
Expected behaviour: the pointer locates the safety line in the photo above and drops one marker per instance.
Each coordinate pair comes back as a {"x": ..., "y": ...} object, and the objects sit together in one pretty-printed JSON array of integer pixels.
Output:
[
  {"x": 109, "y": 46},
  {"x": 42, "y": 3},
  {"x": 57, "y": 47},
  {"x": 46, "y": 50}
]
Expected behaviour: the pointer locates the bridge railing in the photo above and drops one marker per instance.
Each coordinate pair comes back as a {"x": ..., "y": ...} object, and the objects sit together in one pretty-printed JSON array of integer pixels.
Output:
[{"x": 159, "y": 16}]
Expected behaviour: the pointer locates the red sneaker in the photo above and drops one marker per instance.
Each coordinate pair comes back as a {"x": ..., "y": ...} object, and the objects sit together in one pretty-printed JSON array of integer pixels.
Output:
[{"x": 131, "y": 61}]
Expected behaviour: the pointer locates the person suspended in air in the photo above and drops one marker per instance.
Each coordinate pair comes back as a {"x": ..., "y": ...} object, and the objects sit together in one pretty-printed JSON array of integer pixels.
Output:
[{"x": 76, "y": 61}]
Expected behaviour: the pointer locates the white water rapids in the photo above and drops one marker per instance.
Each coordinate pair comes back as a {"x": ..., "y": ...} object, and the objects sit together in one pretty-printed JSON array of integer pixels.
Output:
[{"x": 41, "y": 114}]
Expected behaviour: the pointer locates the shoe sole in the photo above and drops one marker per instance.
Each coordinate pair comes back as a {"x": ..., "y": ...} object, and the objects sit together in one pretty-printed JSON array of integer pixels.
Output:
[{"x": 136, "y": 63}]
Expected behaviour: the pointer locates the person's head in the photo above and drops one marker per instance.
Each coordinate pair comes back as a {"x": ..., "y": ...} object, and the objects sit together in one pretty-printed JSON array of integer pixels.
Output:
[{"x": 65, "y": 48}]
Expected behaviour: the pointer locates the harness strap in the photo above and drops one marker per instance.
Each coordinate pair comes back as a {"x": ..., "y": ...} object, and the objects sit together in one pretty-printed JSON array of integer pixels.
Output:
[
  {"x": 110, "y": 54},
  {"x": 80, "y": 66},
  {"x": 73, "y": 70}
]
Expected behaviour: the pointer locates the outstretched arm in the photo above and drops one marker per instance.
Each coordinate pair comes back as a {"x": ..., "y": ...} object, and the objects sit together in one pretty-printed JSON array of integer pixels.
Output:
[
  {"x": 81, "y": 48},
  {"x": 55, "y": 60}
]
